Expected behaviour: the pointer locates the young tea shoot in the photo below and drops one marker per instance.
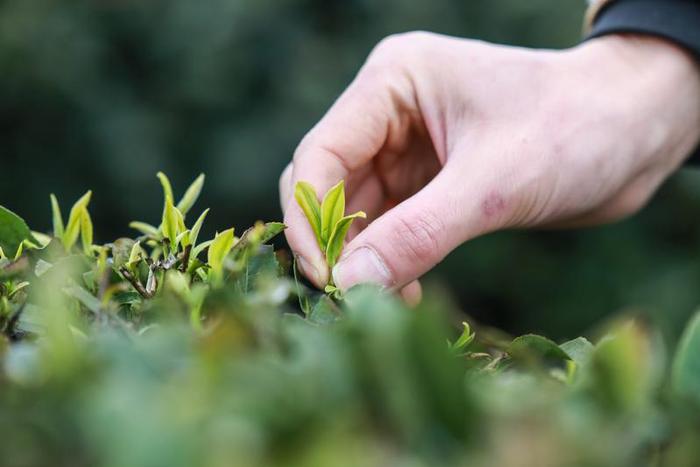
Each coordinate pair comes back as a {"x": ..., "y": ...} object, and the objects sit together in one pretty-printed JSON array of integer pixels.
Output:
[{"x": 328, "y": 220}]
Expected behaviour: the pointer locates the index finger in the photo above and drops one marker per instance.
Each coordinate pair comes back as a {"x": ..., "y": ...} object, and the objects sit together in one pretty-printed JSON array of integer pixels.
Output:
[{"x": 351, "y": 133}]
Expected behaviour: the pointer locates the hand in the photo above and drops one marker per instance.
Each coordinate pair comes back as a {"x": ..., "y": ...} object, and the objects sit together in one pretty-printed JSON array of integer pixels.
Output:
[{"x": 442, "y": 139}]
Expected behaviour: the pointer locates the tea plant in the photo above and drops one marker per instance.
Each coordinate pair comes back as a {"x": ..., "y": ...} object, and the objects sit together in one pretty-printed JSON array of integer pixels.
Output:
[
  {"x": 327, "y": 219},
  {"x": 148, "y": 352}
]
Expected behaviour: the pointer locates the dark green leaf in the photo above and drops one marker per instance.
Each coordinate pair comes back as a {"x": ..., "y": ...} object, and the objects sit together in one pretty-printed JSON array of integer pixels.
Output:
[
  {"x": 686, "y": 363},
  {"x": 579, "y": 350},
  {"x": 532, "y": 348},
  {"x": 13, "y": 231}
]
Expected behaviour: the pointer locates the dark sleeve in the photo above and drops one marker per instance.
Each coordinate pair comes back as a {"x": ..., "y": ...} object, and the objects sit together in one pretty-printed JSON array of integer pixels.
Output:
[{"x": 675, "y": 20}]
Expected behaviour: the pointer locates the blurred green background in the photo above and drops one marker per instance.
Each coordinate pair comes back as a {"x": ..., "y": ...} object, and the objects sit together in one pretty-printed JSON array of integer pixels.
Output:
[{"x": 102, "y": 94}]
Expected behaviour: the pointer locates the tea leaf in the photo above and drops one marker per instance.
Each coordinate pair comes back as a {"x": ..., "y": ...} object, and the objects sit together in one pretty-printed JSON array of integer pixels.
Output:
[
  {"x": 13, "y": 230},
  {"x": 332, "y": 210},
  {"x": 191, "y": 195},
  {"x": 579, "y": 350},
  {"x": 144, "y": 228},
  {"x": 167, "y": 187},
  {"x": 194, "y": 232},
  {"x": 84, "y": 297},
  {"x": 465, "y": 338},
  {"x": 621, "y": 367},
  {"x": 137, "y": 253},
  {"x": 25, "y": 244},
  {"x": 305, "y": 195},
  {"x": 57, "y": 218},
  {"x": 337, "y": 238},
  {"x": 42, "y": 239},
  {"x": 173, "y": 224},
  {"x": 324, "y": 311},
  {"x": 183, "y": 238},
  {"x": 532, "y": 347},
  {"x": 200, "y": 248},
  {"x": 685, "y": 374},
  {"x": 219, "y": 248},
  {"x": 86, "y": 232},
  {"x": 70, "y": 235},
  {"x": 272, "y": 229},
  {"x": 258, "y": 234}
]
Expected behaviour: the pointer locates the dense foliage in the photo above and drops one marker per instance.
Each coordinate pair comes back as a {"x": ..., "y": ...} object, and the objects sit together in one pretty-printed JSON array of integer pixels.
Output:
[
  {"x": 105, "y": 93},
  {"x": 168, "y": 350}
]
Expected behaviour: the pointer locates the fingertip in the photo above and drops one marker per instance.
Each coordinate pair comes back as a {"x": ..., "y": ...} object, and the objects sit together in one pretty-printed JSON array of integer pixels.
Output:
[
  {"x": 285, "y": 186},
  {"x": 314, "y": 272},
  {"x": 303, "y": 244},
  {"x": 412, "y": 294}
]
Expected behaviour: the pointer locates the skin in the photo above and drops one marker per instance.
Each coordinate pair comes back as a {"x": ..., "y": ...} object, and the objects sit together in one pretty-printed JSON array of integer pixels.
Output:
[{"x": 442, "y": 139}]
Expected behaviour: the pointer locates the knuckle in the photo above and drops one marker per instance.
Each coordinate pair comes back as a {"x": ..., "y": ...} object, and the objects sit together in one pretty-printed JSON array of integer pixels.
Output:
[
  {"x": 405, "y": 43},
  {"x": 417, "y": 239}
]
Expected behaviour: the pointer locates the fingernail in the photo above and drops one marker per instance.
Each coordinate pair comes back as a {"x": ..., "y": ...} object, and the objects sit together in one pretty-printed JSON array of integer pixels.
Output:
[
  {"x": 361, "y": 266},
  {"x": 309, "y": 270}
]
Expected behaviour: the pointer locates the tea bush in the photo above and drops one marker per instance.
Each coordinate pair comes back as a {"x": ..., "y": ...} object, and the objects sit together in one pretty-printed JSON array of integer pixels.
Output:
[{"x": 166, "y": 350}]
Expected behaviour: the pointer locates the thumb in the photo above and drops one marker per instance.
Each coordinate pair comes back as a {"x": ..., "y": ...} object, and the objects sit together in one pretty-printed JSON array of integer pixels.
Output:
[{"x": 407, "y": 240}]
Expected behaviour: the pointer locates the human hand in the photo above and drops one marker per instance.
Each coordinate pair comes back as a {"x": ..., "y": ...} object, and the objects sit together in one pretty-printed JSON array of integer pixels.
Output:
[{"x": 441, "y": 140}]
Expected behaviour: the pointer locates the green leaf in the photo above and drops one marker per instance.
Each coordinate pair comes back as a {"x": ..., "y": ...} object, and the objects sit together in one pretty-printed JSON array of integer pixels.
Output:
[
  {"x": 337, "y": 238},
  {"x": 465, "y": 338},
  {"x": 685, "y": 373},
  {"x": 57, "y": 218},
  {"x": 332, "y": 210},
  {"x": 167, "y": 187},
  {"x": 144, "y": 228},
  {"x": 191, "y": 195},
  {"x": 84, "y": 297},
  {"x": 258, "y": 234},
  {"x": 271, "y": 230},
  {"x": 43, "y": 240},
  {"x": 135, "y": 256},
  {"x": 621, "y": 367},
  {"x": 219, "y": 248},
  {"x": 305, "y": 195},
  {"x": 579, "y": 350},
  {"x": 194, "y": 231},
  {"x": 26, "y": 244},
  {"x": 532, "y": 347},
  {"x": 13, "y": 231},
  {"x": 183, "y": 238},
  {"x": 86, "y": 232},
  {"x": 70, "y": 235},
  {"x": 324, "y": 311},
  {"x": 200, "y": 248},
  {"x": 262, "y": 265},
  {"x": 173, "y": 224}
]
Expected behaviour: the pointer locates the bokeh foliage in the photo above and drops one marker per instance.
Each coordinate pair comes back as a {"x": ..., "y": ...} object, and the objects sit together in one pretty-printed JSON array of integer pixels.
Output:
[
  {"x": 224, "y": 359},
  {"x": 104, "y": 94}
]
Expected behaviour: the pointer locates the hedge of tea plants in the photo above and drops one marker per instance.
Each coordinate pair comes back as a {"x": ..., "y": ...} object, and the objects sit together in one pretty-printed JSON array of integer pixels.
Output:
[{"x": 169, "y": 349}]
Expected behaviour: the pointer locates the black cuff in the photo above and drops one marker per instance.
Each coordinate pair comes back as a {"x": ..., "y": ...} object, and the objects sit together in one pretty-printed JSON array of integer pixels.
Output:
[{"x": 675, "y": 20}]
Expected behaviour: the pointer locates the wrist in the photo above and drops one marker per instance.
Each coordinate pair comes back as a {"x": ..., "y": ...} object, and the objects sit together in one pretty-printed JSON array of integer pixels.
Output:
[{"x": 655, "y": 83}]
